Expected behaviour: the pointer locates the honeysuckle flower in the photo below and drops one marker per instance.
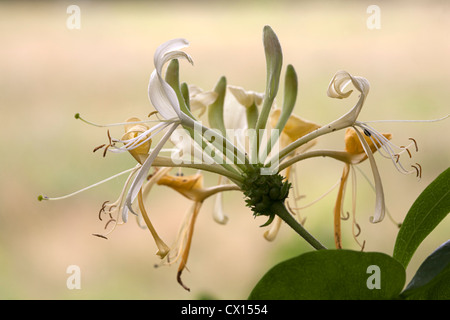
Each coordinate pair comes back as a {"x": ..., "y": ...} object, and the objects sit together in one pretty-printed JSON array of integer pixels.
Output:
[
  {"x": 356, "y": 151},
  {"x": 191, "y": 187},
  {"x": 336, "y": 89},
  {"x": 264, "y": 177},
  {"x": 132, "y": 131}
]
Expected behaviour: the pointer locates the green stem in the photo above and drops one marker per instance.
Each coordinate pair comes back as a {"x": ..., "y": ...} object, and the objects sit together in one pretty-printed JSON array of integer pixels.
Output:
[{"x": 280, "y": 210}]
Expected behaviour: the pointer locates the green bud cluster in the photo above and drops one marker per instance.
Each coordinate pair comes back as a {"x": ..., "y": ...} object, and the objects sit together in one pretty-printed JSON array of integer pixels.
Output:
[{"x": 262, "y": 191}]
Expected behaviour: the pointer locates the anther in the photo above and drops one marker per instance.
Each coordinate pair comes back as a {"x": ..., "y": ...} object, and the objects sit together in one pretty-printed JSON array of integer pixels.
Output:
[
  {"x": 100, "y": 236},
  {"x": 397, "y": 157},
  {"x": 367, "y": 132},
  {"x": 418, "y": 171},
  {"x": 111, "y": 220},
  {"x": 181, "y": 282},
  {"x": 415, "y": 144},
  {"x": 152, "y": 113},
  {"x": 346, "y": 216},
  {"x": 409, "y": 152},
  {"x": 99, "y": 147},
  {"x": 363, "y": 245},
  {"x": 102, "y": 209},
  {"x": 359, "y": 230},
  {"x": 106, "y": 149}
]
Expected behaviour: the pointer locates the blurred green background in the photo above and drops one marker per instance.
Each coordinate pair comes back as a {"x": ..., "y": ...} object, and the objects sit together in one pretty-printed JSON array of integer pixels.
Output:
[{"x": 48, "y": 73}]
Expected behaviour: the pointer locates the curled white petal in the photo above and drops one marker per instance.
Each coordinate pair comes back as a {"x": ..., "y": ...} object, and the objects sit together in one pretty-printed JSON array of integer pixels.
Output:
[
  {"x": 161, "y": 94},
  {"x": 379, "y": 193},
  {"x": 336, "y": 89},
  {"x": 167, "y": 50},
  {"x": 163, "y": 97}
]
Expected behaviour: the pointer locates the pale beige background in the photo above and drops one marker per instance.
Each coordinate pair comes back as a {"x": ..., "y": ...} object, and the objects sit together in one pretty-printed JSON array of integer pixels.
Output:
[{"x": 48, "y": 73}]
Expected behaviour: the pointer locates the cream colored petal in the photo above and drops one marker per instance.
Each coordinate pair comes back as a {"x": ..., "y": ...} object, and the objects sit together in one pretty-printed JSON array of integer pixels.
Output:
[
  {"x": 234, "y": 114},
  {"x": 218, "y": 212},
  {"x": 245, "y": 98},
  {"x": 163, "y": 97}
]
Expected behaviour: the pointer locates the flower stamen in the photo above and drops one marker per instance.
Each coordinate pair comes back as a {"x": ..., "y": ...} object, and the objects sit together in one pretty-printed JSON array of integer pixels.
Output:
[
  {"x": 415, "y": 144},
  {"x": 407, "y": 150},
  {"x": 100, "y": 236},
  {"x": 99, "y": 147}
]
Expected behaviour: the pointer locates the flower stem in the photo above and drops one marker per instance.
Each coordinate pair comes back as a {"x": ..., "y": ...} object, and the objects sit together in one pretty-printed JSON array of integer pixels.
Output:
[{"x": 280, "y": 210}]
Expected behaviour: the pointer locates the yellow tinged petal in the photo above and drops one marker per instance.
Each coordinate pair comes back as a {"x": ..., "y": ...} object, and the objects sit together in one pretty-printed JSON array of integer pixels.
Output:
[
  {"x": 353, "y": 144},
  {"x": 295, "y": 127},
  {"x": 189, "y": 186},
  {"x": 133, "y": 130}
]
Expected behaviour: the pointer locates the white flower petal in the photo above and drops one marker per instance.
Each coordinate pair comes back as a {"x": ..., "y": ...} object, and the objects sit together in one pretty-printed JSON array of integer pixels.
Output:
[
  {"x": 218, "y": 214},
  {"x": 379, "y": 193},
  {"x": 161, "y": 94},
  {"x": 336, "y": 90},
  {"x": 142, "y": 174},
  {"x": 166, "y": 48},
  {"x": 163, "y": 97}
]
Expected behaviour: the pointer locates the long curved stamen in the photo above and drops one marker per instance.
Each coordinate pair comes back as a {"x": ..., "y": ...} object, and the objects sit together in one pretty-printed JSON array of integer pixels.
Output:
[
  {"x": 42, "y": 197},
  {"x": 386, "y": 147},
  {"x": 118, "y": 124},
  {"x": 116, "y": 206},
  {"x": 426, "y": 120},
  {"x": 319, "y": 198}
]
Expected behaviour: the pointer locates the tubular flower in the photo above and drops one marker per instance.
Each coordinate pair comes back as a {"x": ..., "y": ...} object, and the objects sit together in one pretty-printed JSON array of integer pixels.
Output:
[
  {"x": 165, "y": 101},
  {"x": 193, "y": 189},
  {"x": 355, "y": 149}
]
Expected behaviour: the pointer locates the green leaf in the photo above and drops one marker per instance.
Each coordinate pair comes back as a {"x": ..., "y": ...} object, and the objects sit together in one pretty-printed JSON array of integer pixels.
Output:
[
  {"x": 430, "y": 208},
  {"x": 333, "y": 274},
  {"x": 432, "y": 279}
]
